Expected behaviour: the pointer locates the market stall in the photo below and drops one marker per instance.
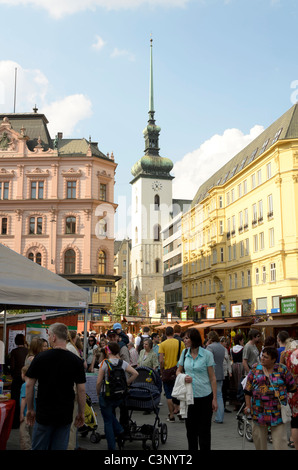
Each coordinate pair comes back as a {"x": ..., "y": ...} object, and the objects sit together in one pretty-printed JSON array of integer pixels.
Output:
[{"x": 7, "y": 408}]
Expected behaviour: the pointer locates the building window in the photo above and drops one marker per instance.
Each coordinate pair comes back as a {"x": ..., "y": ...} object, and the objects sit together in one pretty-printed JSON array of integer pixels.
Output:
[
  {"x": 235, "y": 281},
  {"x": 272, "y": 272},
  {"x": 221, "y": 255},
  {"x": 4, "y": 226},
  {"x": 220, "y": 202},
  {"x": 35, "y": 225},
  {"x": 70, "y": 225},
  {"x": 268, "y": 168},
  {"x": 35, "y": 257},
  {"x": 156, "y": 202},
  {"x": 253, "y": 181},
  {"x": 247, "y": 246},
  {"x": 260, "y": 219},
  {"x": 259, "y": 176},
  {"x": 242, "y": 278},
  {"x": 69, "y": 262},
  {"x": 4, "y": 189},
  {"x": 254, "y": 214},
  {"x": 136, "y": 235},
  {"x": 256, "y": 245},
  {"x": 157, "y": 265},
  {"x": 264, "y": 274},
  {"x": 245, "y": 187},
  {"x": 71, "y": 189},
  {"x": 37, "y": 189},
  {"x": 221, "y": 227},
  {"x": 271, "y": 237},
  {"x": 262, "y": 242},
  {"x": 103, "y": 192},
  {"x": 257, "y": 276},
  {"x": 102, "y": 263},
  {"x": 248, "y": 278},
  {"x": 230, "y": 281},
  {"x": 270, "y": 206},
  {"x": 156, "y": 233}
]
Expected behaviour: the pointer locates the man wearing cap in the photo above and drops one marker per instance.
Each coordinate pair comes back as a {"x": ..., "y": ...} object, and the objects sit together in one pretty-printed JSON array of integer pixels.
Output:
[
  {"x": 113, "y": 335},
  {"x": 124, "y": 339}
]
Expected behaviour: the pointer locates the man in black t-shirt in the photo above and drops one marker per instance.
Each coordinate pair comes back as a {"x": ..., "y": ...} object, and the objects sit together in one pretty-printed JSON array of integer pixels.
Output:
[{"x": 57, "y": 370}]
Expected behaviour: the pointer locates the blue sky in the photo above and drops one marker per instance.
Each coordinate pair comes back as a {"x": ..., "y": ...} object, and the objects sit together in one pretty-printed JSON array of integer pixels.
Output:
[{"x": 223, "y": 71}]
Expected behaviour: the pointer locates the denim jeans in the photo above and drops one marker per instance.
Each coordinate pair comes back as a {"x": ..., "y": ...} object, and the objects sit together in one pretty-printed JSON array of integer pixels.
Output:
[
  {"x": 112, "y": 426},
  {"x": 219, "y": 417},
  {"x": 50, "y": 437}
]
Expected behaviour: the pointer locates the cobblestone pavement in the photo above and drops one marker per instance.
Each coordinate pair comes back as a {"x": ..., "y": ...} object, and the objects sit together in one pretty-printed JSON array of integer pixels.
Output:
[{"x": 224, "y": 436}]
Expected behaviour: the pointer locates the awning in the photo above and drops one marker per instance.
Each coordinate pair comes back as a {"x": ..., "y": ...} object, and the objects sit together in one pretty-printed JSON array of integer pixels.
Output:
[
  {"x": 206, "y": 324},
  {"x": 231, "y": 324},
  {"x": 198, "y": 308},
  {"x": 276, "y": 323}
]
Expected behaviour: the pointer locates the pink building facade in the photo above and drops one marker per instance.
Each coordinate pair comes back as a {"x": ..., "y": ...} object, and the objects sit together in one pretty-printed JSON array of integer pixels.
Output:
[{"x": 57, "y": 203}]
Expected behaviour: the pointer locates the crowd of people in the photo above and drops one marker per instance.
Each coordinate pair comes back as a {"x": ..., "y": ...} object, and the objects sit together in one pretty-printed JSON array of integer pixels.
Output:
[{"x": 200, "y": 381}]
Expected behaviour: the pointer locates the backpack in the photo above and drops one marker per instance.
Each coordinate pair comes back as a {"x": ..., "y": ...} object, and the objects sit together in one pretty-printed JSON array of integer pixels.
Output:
[{"x": 116, "y": 384}]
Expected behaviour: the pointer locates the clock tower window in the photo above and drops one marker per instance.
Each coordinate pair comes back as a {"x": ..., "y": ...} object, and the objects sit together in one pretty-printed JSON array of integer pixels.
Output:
[{"x": 156, "y": 202}]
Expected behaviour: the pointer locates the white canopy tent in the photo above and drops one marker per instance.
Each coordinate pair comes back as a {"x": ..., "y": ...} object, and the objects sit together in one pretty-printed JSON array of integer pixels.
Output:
[{"x": 25, "y": 284}]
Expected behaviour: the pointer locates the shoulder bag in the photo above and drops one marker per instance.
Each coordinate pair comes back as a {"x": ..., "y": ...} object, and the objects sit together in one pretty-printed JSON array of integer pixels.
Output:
[
  {"x": 285, "y": 410},
  {"x": 169, "y": 375}
]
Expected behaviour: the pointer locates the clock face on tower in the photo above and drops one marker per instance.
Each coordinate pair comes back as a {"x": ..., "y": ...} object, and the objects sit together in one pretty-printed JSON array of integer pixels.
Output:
[{"x": 156, "y": 185}]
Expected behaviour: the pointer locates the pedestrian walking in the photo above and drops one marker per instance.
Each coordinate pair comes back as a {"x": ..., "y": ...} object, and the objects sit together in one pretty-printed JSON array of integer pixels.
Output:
[
  {"x": 251, "y": 353},
  {"x": 266, "y": 387},
  {"x": 147, "y": 357},
  {"x": 107, "y": 402},
  {"x": 219, "y": 355},
  {"x": 169, "y": 354},
  {"x": 57, "y": 371},
  {"x": 198, "y": 364},
  {"x": 290, "y": 359}
]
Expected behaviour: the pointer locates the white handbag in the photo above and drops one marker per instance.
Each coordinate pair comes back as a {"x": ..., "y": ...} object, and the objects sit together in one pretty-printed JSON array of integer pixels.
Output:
[{"x": 286, "y": 412}]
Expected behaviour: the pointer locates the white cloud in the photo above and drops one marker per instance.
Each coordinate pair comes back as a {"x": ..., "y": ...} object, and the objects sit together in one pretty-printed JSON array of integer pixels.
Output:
[
  {"x": 33, "y": 89},
  {"x": 60, "y": 8},
  {"x": 99, "y": 43},
  {"x": 197, "y": 166},
  {"x": 65, "y": 114},
  {"x": 122, "y": 53}
]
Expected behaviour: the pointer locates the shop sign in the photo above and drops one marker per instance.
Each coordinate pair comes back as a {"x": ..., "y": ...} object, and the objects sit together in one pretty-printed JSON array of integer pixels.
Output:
[
  {"x": 183, "y": 315},
  {"x": 236, "y": 310},
  {"x": 288, "y": 304},
  {"x": 210, "y": 312}
]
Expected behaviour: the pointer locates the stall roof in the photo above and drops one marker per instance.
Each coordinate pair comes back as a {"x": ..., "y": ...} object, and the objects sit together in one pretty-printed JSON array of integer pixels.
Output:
[
  {"x": 231, "y": 324},
  {"x": 277, "y": 322},
  {"x": 24, "y": 283},
  {"x": 33, "y": 316},
  {"x": 206, "y": 324}
]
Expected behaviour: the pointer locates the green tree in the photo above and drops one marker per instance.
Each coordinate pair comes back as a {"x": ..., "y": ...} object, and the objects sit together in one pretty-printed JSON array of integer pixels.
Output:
[{"x": 119, "y": 305}]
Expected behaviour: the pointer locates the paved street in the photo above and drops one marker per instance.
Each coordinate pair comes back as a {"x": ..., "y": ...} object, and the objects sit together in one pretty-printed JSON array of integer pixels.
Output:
[{"x": 224, "y": 436}]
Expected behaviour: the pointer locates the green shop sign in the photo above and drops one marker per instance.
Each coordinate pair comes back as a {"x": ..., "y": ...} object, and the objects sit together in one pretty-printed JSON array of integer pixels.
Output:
[{"x": 288, "y": 304}]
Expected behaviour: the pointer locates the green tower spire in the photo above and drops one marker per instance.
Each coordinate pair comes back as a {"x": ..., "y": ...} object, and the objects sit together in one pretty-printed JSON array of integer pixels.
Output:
[
  {"x": 151, "y": 132},
  {"x": 151, "y": 97},
  {"x": 152, "y": 165}
]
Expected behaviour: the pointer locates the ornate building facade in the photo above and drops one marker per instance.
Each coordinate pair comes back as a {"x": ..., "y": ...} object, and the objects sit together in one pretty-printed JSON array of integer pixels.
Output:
[
  {"x": 57, "y": 203},
  {"x": 240, "y": 236}
]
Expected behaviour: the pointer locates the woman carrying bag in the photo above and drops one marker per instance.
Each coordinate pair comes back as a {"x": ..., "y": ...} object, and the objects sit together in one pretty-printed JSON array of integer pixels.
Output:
[{"x": 198, "y": 365}]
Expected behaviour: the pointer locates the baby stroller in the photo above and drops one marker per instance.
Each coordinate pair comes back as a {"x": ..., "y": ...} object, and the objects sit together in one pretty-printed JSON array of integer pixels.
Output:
[
  {"x": 90, "y": 423},
  {"x": 144, "y": 395},
  {"x": 244, "y": 427}
]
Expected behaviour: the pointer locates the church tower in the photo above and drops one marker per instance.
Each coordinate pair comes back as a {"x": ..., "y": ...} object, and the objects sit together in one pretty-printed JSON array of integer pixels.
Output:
[{"x": 151, "y": 209}]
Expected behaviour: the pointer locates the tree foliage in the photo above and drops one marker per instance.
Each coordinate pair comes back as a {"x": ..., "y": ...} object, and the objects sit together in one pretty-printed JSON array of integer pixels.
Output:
[{"x": 119, "y": 306}]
